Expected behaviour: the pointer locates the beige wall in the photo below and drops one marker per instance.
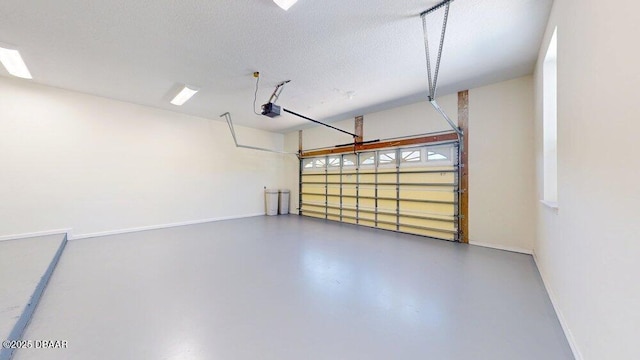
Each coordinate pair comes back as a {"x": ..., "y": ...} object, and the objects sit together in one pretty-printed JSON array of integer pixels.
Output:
[
  {"x": 406, "y": 120},
  {"x": 588, "y": 250},
  {"x": 501, "y": 165},
  {"x": 70, "y": 160},
  {"x": 501, "y": 158}
]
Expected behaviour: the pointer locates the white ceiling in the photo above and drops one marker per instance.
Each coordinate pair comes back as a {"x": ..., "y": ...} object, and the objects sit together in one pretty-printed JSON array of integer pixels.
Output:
[{"x": 141, "y": 51}]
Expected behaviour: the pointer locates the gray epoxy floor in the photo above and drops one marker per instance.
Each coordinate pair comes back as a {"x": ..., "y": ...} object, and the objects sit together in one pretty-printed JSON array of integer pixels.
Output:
[{"x": 291, "y": 288}]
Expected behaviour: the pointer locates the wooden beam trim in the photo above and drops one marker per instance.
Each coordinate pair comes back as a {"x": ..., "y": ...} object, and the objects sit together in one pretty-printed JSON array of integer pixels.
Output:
[
  {"x": 463, "y": 201},
  {"x": 359, "y": 129},
  {"x": 383, "y": 144}
]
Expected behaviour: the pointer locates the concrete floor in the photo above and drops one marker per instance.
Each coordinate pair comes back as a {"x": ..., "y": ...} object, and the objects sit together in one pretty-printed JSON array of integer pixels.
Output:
[{"x": 291, "y": 288}]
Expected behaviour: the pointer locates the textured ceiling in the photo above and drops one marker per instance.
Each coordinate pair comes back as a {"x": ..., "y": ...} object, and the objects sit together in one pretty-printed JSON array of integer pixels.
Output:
[{"x": 344, "y": 57}]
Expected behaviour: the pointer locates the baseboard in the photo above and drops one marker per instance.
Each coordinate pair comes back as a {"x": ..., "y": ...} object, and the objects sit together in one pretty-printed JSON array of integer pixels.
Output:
[
  {"x": 35, "y": 234},
  {"x": 501, "y": 247},
  {"x": 157, "y": 227},
  {"x": 563, "y": 323}
]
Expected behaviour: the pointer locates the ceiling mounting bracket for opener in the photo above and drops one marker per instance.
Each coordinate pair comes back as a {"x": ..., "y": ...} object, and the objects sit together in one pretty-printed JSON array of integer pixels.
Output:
[{"x": 433, "y": 75}]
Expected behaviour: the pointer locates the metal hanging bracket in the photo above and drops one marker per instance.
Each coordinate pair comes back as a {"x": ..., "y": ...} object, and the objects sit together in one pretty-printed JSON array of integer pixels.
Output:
[
  {"x": 433, "y": 75},
  {"x": 435, "y": 7},
  {"x": 227, "y": 116},
  {"x": 453, "y": 125},
  {"x": 277, "y": 91}
]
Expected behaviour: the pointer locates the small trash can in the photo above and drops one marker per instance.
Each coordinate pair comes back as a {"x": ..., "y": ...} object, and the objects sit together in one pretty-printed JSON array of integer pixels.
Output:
[
  {"x": 271, "y": 198},
  {"x": 284, "y": 202}
]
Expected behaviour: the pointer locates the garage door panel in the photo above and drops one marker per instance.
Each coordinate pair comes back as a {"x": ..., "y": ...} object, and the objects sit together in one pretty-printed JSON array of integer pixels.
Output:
[
  {"x": 427, "y": 195},
  {"x": 349, "y": 190},
  {"x": 387, "y": 178},
  {"x": 426, "y": 208},
  {"x": 349, "y": 212},
  {"x": 333, "y": 178},
  {"x": 387, "y": 218},
  {"x": 314, "y": 178},
  {"x": 367, "y": 223},
  {"x": 387, "y": 192},
  {"x": 367, "y": 191},
  {"x": 438, "y": 178},
  {"x": 429, "y": 233},
  {"x": 349, "y": 202},
  {"x": 319, "y": 199},
  {"x": 312, "y": 189},
  {"x": 332, "y": 211},
  {"x": 367, "y": 178},
  {"x": 386, "y": 226},
  {"x": 333, "y": 201},
  {"x": 387, "y": 205},
  {"x": 427, "y": 223},
  {"x": 367, "y": 216},
  {"x": 367, "y": 203},
  {"x": 411, "y": 190},
  {"x": 351, "y": 178}
]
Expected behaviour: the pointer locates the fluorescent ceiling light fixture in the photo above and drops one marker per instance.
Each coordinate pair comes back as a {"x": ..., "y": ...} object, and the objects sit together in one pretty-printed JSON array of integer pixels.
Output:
[
  {"x": 285, "y": 4},
  {"x": 14, "y": 64},
  {"x": 185, "y": 94}
]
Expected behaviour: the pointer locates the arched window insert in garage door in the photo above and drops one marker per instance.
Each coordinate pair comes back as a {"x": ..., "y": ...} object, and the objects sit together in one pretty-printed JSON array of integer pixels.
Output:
[{"x": 411, "y": 189}]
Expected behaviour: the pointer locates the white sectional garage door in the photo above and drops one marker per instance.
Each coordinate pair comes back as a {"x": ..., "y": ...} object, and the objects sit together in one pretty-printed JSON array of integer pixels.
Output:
[{"x": 410, "y": 189}]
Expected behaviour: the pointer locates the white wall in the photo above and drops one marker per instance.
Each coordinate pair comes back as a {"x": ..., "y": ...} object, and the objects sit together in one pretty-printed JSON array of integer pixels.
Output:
[
  {"x": 70, "y": 160},
  {"x": 501, "y": 158},
  {"x": 588, "y": 251}
]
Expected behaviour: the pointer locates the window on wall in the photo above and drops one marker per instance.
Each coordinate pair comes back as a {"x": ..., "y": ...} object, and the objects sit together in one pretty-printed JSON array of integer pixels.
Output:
[{"x": 550, "y": 121}]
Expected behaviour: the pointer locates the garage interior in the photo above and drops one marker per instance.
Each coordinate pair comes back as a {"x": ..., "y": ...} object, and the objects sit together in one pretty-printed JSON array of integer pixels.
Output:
[{"x": 449, "y": 192}]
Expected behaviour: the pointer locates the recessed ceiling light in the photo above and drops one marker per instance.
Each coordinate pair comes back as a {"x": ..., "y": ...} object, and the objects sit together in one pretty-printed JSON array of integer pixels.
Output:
[
  {"x": 285, "y": 4},
  {"x": 14, "y": 64},
  {"x": 185, "y": 94}
]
